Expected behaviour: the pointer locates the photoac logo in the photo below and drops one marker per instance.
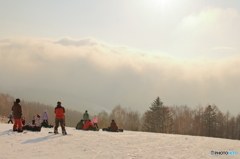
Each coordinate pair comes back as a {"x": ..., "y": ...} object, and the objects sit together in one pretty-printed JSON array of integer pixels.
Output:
[{"x": 224, "y": 152}]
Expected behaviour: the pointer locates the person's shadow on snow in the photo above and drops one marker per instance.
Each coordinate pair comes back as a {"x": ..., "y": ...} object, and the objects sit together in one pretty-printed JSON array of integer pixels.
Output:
[
  {"x": 41, "y": 139},
  {"x": 7, "y": 132}
]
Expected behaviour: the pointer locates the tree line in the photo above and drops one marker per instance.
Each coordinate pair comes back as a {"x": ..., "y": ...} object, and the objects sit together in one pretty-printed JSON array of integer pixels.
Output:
[{"x": 201, "y": 121}]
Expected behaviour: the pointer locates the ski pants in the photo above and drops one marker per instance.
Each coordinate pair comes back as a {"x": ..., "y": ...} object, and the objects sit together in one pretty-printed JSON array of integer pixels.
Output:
[
  {"x": 17, "y": 124},
  {"x": 62, "y": 124}
]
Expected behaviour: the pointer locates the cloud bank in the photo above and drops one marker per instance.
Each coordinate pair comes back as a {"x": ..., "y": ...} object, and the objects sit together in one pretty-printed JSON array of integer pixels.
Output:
[{"x": 90, "y": 74}]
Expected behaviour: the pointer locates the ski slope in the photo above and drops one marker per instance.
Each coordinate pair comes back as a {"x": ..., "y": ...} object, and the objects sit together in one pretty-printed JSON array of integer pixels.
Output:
[{"x": 79, "y": 144}]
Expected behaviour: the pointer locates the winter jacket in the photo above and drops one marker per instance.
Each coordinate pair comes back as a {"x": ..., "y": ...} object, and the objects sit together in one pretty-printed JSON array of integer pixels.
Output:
[
  {"x": 45, "y": 116},
  {"x": 10, "y": 117},
  {"x": 17, "y": 111},
  {"x": 85, "y": 116},
  {"x": 80, "y": 125},
  {"x": 38, "y": 122},
  {"x": 87, "y": 124},
  {"x": 95, "y": 119},
  {"x": 59, "y": 111},
  {"x": 113, "y": 127}
]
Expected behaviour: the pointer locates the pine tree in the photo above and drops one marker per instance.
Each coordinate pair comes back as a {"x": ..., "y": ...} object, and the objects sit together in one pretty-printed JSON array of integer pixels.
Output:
[
  {"x": 158, "y": 118},
  {"x": 209, "y": 119}
]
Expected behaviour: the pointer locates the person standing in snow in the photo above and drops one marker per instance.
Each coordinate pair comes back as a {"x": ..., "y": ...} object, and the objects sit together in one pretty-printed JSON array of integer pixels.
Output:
[
  {"x": 10, "y": 118},
  {"x": 95, "y": 121},
  {"x": 17, "y": 114},
  {"x": 86, "y": 116},
  {"x": 59, "y": 118},
  {"x": 45, "y": 118}
]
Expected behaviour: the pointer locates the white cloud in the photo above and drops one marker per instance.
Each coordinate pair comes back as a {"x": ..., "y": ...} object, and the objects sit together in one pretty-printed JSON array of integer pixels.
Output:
[
  {"x": 109, "y": 75},
  {"x": 200, "y": 32},
  {"x": 223, "y": 48},
  {"x": 212, "y": 20}
]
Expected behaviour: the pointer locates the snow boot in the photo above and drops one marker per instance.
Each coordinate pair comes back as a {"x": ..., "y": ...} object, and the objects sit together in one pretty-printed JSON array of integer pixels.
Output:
[{"x": 20, "y": 131}]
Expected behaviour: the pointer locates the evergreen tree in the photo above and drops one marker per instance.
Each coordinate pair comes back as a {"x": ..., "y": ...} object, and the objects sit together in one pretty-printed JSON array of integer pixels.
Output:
[
  {"x": 209, "y": 121},
  {"x": 158, "y": 118}
]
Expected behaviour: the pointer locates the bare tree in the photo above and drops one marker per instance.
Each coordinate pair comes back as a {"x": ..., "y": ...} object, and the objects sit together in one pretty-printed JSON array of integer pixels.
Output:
[
  {"x": 197, "y": 120},
  {"x": 118, "y": 114},
  {"x": 132, "y": 120},
  {"x": 182, "y": 119},
  {"x": 103, "y": 119}
]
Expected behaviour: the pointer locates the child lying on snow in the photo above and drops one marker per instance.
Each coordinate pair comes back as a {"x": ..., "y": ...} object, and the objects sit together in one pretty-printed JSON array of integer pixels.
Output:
[{"x": 34, "y": 127}]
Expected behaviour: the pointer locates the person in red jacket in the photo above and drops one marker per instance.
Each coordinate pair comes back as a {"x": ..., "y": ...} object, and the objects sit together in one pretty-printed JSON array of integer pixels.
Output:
[
  {"x": 59, "y": 118},
  {"x": 17, "y": 115},
  {"x": 88, "y": 126}
]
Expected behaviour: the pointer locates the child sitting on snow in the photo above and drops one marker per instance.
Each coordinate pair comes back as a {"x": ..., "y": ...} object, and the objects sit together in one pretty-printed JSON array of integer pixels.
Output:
[
  {"x": 113, "y": 127},
  {"x": 80, "y": 125},
  {"x": 34, "y": 127},
  {"x": 89, "y": 126}
]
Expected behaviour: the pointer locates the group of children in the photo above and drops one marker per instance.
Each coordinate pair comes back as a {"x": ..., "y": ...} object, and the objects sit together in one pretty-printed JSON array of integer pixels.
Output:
[
  {"x": 37, "y": 123},
  {"x": 86, "y": 124}
]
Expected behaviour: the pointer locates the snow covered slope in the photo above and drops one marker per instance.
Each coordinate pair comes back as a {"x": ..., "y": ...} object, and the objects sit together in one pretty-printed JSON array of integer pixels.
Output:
[{"x": 109, "y": 145}]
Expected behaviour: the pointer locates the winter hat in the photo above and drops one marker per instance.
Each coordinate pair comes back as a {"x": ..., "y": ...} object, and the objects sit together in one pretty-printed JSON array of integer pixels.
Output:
[{"x": 17, "y": 100}]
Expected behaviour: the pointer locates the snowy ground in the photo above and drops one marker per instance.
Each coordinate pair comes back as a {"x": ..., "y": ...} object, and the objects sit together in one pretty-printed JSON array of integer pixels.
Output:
[{"x": 109, "y": 145}]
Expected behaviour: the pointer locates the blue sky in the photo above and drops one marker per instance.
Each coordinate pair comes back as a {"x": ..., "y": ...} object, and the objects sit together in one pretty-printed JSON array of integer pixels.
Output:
[{"x": 153, "y": 47}]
